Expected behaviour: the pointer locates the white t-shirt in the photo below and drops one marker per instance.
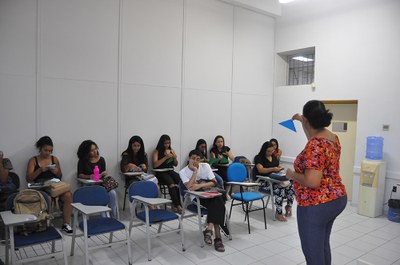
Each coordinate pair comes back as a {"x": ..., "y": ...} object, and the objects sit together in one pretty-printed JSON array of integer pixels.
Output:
[{"x": 203, "y": 172}]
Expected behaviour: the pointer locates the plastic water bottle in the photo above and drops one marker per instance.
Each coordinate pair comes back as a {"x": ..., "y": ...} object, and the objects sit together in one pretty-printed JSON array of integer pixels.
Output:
[
  {"x": 374, "y": 147},
  {"x": 96, "y": 172}
]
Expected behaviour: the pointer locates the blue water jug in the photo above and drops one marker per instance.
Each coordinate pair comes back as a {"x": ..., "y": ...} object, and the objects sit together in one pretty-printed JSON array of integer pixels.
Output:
[{"x": 374, "y": 147}]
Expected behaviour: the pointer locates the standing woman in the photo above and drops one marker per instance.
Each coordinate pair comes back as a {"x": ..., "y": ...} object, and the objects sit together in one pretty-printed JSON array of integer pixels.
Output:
[
  {"x": 165, "y": 157},
  {"x": 221, "y": 152},
  {"x": 89, "y": 157},
  {"x": 44, "y": 167},
  {"x": 277, "y": 152},
  {"x": 320, "y": 194}
]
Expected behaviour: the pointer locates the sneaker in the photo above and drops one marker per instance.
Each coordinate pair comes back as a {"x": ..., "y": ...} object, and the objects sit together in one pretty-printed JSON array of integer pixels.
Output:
[
  {"x": 66, "y": 228},
  {"x": 224, "y": 229}
]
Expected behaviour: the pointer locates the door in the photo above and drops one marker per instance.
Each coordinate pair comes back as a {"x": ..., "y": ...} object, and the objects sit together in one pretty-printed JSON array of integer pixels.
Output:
[{"x": 344, "y": 125}]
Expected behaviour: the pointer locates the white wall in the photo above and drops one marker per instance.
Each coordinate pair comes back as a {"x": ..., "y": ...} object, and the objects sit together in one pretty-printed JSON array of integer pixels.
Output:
[
  {"x": 357, "y": 54},
  {"x": 109, "y": 69}
]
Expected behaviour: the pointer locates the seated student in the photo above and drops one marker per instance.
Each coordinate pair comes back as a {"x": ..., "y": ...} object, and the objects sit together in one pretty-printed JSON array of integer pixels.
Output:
[
  {"x": 134, "y": 158},
  {"x": 277, "y": 152},
  {"x": 6, "y": 184},
  {"x": 223, "y": 153},
  {"x": 165, "y": 157},
  {"x": 89, "y": 157},
  {"x": 192, "y": 176},
  {"x": 201, "y": 146},
  {"x": 44, "y": 167},
  {"x": 265, "y": 164},
  {"x": 7, "y": 187}
]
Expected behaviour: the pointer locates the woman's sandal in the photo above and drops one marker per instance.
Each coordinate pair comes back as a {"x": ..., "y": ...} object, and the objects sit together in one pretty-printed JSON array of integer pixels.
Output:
[
  {"x": 177, "y": 209},
  {"x": 208, "y": 237},
  {"x": 288, "y": 210},
  {"x": 218, "y": 245},
  {"x": 280, "y": 217}
]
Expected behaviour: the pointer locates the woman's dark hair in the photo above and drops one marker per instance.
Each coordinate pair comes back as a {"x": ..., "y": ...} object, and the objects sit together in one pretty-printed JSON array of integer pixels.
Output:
[
  {"x": 215, "y": 140},
  {"x": 129, "y": 150},
  {"x": 264, "y": 148},
  {"x": 276, "y": 142},
  {"x": 160, "y": 145},
  {"x": 317, "y": 115},
  {"x": 195, "y": 152},
  {"x": 200, "y": 142},
  {"x": 84, "y": 149},
  {"x": 45, "y": 140}
]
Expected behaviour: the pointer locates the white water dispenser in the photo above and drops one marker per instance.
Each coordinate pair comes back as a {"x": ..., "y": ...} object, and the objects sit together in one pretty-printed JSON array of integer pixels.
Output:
[{"x": 372, "y": 188}]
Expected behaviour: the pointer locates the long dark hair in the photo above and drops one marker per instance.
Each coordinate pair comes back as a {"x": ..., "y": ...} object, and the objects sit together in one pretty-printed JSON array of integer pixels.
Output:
[
  {"x": 129, "y": 151},
  {"x": 264, "y": 148},
  {"x": 275, "y": 141},
  {"x": 160, "y": 145},
  {"x": 215, "y": 142},
  {"x": 200, "y": 142},
  {"x": 84, "y": 149},
  {"x": 45, "y": 140}
]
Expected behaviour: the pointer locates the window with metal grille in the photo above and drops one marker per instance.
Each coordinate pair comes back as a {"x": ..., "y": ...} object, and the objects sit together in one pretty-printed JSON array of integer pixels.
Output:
[{"x": 301, "y": 69}]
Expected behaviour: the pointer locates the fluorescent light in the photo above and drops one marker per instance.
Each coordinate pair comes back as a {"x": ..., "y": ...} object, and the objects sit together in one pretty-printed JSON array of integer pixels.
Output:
[
  {"x": 303, "y": 59},
  {"x": 285, "y": 1}
]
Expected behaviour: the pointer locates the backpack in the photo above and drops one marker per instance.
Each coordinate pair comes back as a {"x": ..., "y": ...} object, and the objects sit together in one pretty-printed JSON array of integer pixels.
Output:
[{"x": 31, "y": 201}]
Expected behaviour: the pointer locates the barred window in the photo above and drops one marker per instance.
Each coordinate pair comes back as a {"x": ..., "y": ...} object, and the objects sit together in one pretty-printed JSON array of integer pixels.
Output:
[{"x": 301, "y": 69}]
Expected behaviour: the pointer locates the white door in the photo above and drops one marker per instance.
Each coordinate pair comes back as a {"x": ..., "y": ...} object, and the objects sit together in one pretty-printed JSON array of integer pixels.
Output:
[{"x": 346, "y": 115}]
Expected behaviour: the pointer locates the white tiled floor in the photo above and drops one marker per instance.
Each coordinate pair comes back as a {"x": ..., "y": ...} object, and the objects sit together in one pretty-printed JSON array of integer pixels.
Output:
[{"x": 355, "y": 240}]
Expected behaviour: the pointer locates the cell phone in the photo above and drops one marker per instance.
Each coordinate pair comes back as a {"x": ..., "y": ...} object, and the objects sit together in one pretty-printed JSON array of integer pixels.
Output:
[{"x": 52, "y": 166}]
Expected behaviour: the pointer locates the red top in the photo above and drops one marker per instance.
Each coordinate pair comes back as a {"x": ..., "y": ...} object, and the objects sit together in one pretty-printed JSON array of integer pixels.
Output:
[{"x": 322, "y": 155}]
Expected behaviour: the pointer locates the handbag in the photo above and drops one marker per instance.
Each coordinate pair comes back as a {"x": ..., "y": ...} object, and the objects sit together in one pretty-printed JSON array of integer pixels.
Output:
[
  {"x": 58, "y": 188},
  {"x": 109, "y": 183}
]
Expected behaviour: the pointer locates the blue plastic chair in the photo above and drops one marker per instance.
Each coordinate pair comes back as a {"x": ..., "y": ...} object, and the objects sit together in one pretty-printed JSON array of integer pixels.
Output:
[
  {"x": 237, "y": 176},
  {"x": 89, "y": 201},
  {"x": 17, "y": 242},
  {"x": 146, "y": 193}
]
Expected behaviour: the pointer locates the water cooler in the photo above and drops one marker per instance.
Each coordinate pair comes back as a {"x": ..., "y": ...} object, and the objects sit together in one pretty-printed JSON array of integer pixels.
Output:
[{"x": 372, "y": 188}]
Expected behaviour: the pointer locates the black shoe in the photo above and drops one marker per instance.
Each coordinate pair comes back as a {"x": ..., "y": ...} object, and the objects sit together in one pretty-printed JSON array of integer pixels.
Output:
[
  {"x": 66, "y": 228},
  {"x": 224, "y": 229}
]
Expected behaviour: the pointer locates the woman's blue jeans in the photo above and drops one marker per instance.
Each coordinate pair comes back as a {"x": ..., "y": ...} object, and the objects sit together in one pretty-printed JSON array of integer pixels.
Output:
[{"x": 315, "y": 225}]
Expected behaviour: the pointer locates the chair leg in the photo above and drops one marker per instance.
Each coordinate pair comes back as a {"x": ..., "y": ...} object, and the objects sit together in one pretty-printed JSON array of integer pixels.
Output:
[
  {"x": 74, "y": 227},
  {"x": 64, "y": 251},
  {"x": 265, "y": 218},
  {"x": 159, "y": 228},
  {"x": 126, "y": 193},
  {"x": 128, "y": 242},
  {"x": 228, "y": 223},
  {"x": 85, "y": 229},
  {"x": 181, "y": 232},
  {"x": 148, "y": 233},
  {"x": 111, "y": 237},
  {"x": 200, "y": 224},
  {"x": 230, "y": 211},
  {"x": 245, "y": 209},
  {"x": 53, "y": 246},
  {"x": 247, "y": 216}
]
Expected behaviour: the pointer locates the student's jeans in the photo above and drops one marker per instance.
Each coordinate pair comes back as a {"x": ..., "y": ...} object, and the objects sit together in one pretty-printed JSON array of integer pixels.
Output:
[
  {"x": 113, "y": 203},
  {"x": 315, "y": 225}
]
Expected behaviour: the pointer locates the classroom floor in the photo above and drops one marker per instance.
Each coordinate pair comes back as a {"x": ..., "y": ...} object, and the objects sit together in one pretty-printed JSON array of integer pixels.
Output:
[{"x": 355, "y": 240}]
